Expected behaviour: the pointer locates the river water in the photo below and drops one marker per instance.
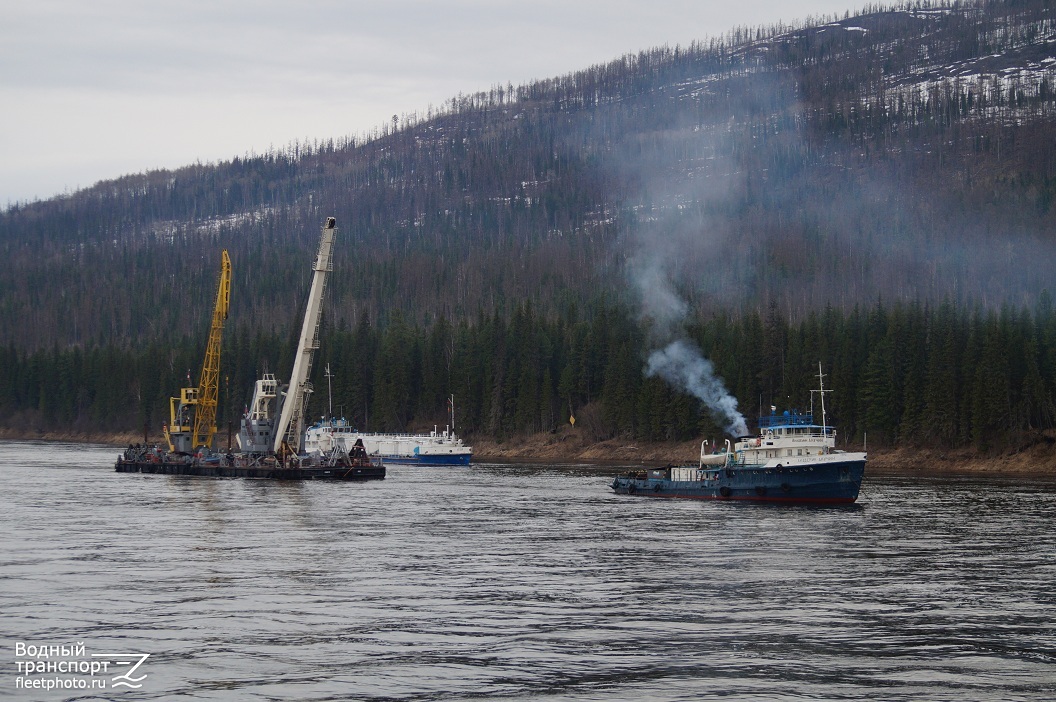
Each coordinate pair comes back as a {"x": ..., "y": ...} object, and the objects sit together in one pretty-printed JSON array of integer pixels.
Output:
[{"x": 516, "y": 581}]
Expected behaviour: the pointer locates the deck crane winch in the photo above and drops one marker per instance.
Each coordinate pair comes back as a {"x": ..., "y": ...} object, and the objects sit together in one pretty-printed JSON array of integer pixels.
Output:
[{"x": 192, "y": 415}]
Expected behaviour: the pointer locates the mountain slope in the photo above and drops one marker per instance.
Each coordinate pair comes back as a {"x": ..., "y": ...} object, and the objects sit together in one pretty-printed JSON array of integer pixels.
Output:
[{"x": 901, "y": 154}]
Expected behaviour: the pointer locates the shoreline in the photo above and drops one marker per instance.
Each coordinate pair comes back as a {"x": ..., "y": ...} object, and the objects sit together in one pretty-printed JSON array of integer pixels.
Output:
[
  {"x": 1038, "y": 460},
  {"x": 570, "y": 446}
]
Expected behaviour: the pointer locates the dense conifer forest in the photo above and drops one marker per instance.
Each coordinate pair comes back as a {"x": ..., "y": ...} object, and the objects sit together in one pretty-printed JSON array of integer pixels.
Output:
[
  {"x": 908, "y": 374},
  {"x": 876, "y": 192}
]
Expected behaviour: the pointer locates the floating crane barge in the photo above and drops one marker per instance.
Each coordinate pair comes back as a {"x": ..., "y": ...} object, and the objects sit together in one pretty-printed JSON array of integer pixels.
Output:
[
  {"x": 272, "y": 433},
  {"x": 145, "y": 461}
]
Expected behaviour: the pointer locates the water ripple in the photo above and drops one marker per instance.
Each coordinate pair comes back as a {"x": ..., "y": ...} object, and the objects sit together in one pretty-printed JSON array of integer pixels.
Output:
[{"x": 499, "y": 582}]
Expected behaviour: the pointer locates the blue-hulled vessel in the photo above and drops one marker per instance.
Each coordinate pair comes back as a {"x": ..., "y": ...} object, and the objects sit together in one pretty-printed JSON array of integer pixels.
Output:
[
  {"x": 791, "y": 460},
  {"x": 437, "y": 448}
]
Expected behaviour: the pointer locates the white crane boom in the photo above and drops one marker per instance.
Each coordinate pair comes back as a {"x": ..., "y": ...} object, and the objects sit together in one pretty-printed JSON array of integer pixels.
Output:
[{"x": 291, "y": 421}]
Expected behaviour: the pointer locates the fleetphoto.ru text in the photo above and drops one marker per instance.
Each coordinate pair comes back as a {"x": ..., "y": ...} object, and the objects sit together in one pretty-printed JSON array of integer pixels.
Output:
[{"x": 50, "y": 667}]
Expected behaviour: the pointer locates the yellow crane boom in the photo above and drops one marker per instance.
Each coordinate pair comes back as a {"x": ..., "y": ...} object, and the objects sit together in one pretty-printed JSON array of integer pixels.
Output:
[
  {"x": 180, "y": 433},
  {"x": 209, "y": 382}
]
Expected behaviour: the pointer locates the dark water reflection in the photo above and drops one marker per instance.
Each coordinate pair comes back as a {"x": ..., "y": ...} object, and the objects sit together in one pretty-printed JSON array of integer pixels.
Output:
[{"x": 503, "y": 581}]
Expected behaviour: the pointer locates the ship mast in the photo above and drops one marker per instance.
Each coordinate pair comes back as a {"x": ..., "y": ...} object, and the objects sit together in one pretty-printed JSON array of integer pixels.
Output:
[
  {"x": 329, "y": 392},
  {"x": 290, "y": 428},
  {"x": 821, "y": 391}
]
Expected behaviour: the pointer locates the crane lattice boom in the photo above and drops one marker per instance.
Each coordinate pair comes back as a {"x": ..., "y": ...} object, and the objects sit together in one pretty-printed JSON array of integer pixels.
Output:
[
  {"x": 209, "y": 381},
  {"x": 182, "y": 433}
]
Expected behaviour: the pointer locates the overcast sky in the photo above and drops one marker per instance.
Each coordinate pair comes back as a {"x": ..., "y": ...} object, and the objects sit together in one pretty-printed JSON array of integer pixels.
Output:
[{"x": 96, "y": 89}]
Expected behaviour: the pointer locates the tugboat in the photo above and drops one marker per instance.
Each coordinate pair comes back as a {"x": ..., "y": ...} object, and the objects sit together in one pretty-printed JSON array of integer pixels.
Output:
[{"x": 792, "y": 460}]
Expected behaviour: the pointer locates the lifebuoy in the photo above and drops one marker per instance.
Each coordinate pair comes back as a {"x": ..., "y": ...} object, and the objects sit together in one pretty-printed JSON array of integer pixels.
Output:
[
  {"x": 724, "y": 491},
  {"x": 656, "y": 488},
  {"x": 631, "y": 489}
]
